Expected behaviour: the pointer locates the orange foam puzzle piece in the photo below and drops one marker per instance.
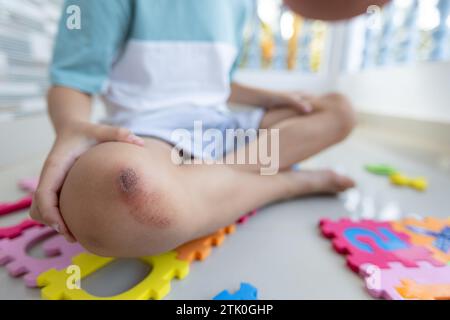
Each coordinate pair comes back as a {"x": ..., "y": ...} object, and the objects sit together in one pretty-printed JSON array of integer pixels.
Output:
[
  {"x": 200, "y": 249},
  {"x": 410, "y": 289},
  {"x": 420, "y": 238}
]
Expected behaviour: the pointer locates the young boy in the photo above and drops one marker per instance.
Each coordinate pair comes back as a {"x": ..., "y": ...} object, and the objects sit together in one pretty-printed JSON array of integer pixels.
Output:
[{"x": 162, "y": 65}]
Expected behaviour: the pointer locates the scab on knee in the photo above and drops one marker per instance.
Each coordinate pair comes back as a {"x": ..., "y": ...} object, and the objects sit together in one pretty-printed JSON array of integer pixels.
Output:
[
  {"x": 128, "y": 180},
  {"x": 145, "y": 203}
]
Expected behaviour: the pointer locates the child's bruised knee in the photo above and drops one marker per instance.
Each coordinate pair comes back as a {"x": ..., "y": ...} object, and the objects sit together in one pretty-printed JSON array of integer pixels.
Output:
[{"x": 114, "y": 208}]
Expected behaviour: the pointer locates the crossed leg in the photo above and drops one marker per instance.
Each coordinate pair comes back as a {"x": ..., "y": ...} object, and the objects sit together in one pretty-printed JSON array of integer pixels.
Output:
[
  {"x": 122, "y": 200},
  {"x": 300, "y": 136}
]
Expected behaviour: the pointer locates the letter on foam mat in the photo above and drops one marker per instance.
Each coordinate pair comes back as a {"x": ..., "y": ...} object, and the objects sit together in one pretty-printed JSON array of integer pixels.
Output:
[
  {"x": 155, "y": 286},
  {"x": 373, "y": 242},
  {"x": 392, "y": 283}
]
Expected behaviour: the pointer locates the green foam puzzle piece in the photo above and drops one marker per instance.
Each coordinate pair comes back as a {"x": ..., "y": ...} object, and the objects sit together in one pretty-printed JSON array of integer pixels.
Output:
[{"x": 380, "y": 169}]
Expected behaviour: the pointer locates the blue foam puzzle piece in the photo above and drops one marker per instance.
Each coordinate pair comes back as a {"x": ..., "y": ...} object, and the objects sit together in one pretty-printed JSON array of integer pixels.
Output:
[
  {"x": 390, "y": 243},
  {"x": 245, "y": 292},
  {"x": 442, "y": 241}
]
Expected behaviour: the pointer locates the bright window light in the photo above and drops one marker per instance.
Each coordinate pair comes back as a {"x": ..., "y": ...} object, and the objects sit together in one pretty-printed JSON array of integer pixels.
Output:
[
  {"x": 403, "y": 4},
  {"x": 269, "y": 11},
  {"x": 429, "y": 17},
  {"x": 287, "y": 25}
]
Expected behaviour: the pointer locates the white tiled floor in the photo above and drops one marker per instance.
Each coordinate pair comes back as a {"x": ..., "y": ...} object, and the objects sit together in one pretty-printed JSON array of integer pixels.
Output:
[{"x": 280, "y": 250}]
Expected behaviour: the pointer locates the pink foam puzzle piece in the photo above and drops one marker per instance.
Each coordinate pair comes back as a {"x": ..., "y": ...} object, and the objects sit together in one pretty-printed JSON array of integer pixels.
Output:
[
  {"x": 381, "y": 258},
  {"x": 59, "y": 253},
  {"x": 245, "y": 218},
  {"x": 373, "y": 242},
  {"x": 16, "y": 230},
  {"x": 418, "y": 253},
  {"x": 383, "y": 283},
  {"x": 9, "y": 207},
  {"x": 58, "y": 244},
  {"x": 28, "y": 184}
]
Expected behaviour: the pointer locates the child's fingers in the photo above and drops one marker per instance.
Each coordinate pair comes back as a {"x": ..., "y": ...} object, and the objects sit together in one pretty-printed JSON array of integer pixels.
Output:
[
  {"x": 45, "y": 203},
  {"x": 305, "y": 106},
  {"x": 135, "y": 140},
  {"x": 300, "y": 102},
  {"x": 35, "y": 213},
  {"x": 69, "y": 237},
  {"x": 104, "y": 133},
  {"x": 46, "y": 212}
]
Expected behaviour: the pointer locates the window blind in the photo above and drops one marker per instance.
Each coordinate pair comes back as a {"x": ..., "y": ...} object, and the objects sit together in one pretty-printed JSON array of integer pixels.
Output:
[{"x": 27, "y": 29}]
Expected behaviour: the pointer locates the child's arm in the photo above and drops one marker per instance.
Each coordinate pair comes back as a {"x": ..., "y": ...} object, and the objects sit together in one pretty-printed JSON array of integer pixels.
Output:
[
  {"x": 80, "y": 67},
  {"x": 269, "y": 99},
  {"x": 70, "y": 112},
  {"x": 66, "y": 106}
]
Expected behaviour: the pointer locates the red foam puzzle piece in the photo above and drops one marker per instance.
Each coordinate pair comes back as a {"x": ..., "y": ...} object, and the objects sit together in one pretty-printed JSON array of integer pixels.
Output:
[
  {"x": 381, "y": 257},
  {"x": 9, "y": 207},
  {"x": 16, "y": 230},
  {"x": 245, "y": 218}
]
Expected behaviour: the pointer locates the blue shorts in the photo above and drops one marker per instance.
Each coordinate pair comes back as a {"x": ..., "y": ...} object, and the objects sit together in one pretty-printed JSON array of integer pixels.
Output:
[{"x": 165, "y": 123}]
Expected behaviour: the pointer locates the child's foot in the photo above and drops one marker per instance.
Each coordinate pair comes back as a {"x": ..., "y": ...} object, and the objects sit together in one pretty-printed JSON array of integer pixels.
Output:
[{"x": 316, "y": 182}]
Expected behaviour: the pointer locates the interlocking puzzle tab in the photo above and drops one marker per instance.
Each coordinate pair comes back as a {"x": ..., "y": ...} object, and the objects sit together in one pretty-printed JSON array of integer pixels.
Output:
[
  {"x": 387, "y": 283},
  {"x": 245, "y": 292},
  {"x": 155, "y": 286},
  {"x": 16, "y": 230},
  {"x": 200, "y": 249},
  {"x": 373, "y": 242},
  {"x": 13, "y": 254},
  {"x": 431, "y": 233}
]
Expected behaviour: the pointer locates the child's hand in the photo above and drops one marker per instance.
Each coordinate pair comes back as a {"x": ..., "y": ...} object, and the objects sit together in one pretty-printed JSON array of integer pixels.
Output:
[
  {"x": 69, "y": 145},
  {"x": 296, "y": 100}
]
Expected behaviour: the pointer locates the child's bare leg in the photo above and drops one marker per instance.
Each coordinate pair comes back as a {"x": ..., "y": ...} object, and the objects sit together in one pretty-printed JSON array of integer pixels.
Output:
[
  {"x": 301, "y": 136},
  {"x": 122, "y": 200}
]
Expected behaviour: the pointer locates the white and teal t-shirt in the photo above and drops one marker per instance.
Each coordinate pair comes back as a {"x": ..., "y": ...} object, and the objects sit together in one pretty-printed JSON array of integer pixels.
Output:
[{"x": 141, "y": 55}]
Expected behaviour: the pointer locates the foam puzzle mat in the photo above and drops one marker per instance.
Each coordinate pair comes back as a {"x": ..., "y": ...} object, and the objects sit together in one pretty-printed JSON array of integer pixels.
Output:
[
  {"x": 406, "y": 259},
  {"x": 56, "y": 273}
]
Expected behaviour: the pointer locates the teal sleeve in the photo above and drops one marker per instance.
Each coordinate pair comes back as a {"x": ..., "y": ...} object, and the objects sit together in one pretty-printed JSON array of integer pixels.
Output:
[
  {"x": 236, "y": 63},
  {"x": 82, "y": 58},
  {"x": 247, "y": 8}
]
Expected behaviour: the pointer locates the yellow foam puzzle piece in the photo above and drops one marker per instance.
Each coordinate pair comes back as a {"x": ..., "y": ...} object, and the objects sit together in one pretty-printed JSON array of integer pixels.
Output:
[
  {"x": 420, "y": 183},
  {"x": 399, "y": 179},
  {"x": 155, "y": 286}
]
